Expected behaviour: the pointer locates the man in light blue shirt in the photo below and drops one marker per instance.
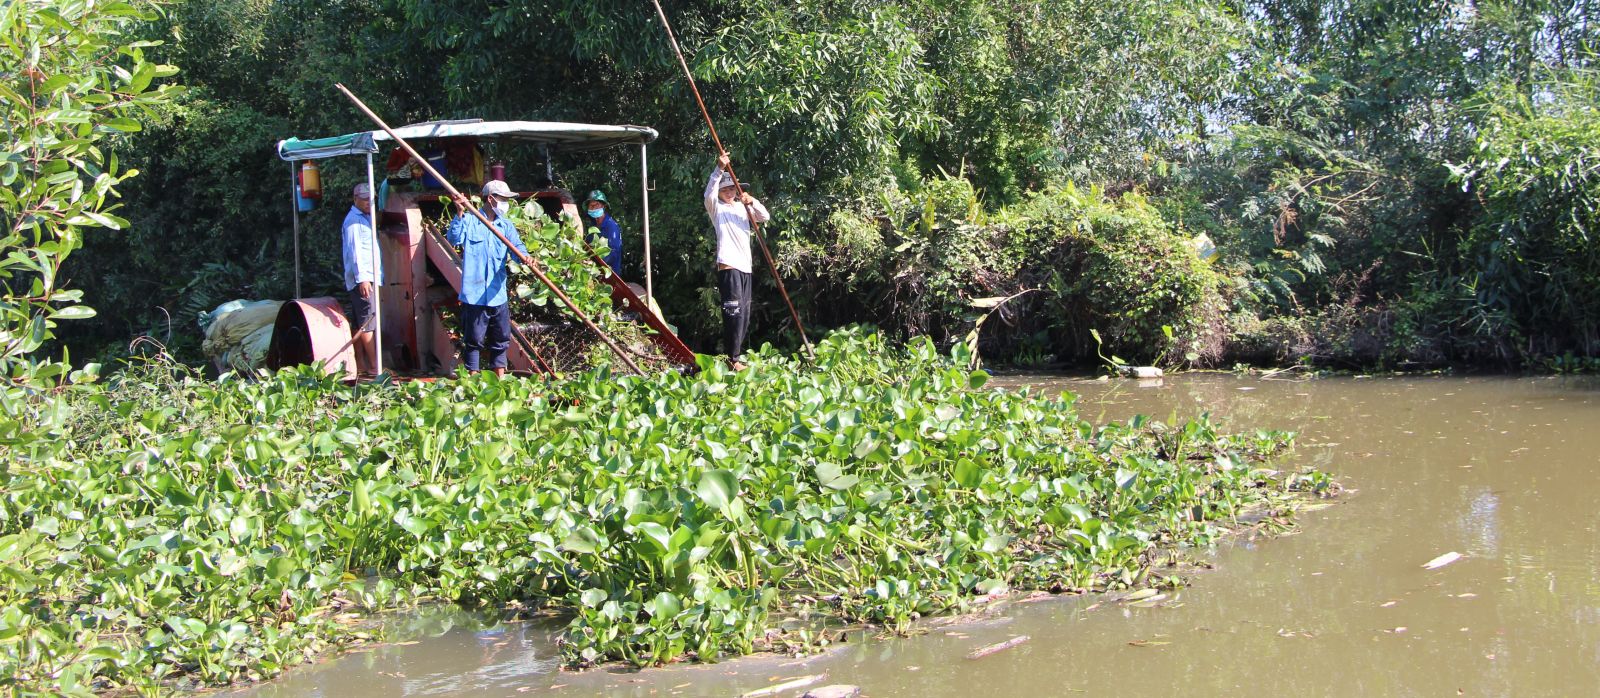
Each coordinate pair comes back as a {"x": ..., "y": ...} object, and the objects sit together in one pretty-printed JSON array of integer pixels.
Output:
[
  {"x": 363, "y": 273},
  {"x": 485, "y": 319}
]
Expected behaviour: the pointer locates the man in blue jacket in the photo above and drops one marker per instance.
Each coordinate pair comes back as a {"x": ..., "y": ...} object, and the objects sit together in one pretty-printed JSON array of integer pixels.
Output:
[
  {"x": 485, "y": 318},
  {"x": 603, "y": 227}
]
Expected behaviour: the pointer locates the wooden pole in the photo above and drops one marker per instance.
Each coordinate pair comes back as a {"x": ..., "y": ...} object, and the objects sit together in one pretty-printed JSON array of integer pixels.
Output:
[{"x": 526, "y": 260}]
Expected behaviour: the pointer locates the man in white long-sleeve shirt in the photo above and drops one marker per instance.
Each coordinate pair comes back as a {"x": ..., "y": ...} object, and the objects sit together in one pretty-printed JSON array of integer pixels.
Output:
[
  {"x": 730, "y": 211},
  {"x": 363, "y": 272}
]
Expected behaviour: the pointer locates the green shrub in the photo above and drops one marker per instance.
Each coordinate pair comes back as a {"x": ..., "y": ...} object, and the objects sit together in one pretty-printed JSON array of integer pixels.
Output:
[
  {"x": 73, "y": 82},
  {"x": 1269, "y": 341},
  {"x": 1108, "y": 265},
  {"x": 1533, "y": 255},
  {"x": 1119, "y": 268}
]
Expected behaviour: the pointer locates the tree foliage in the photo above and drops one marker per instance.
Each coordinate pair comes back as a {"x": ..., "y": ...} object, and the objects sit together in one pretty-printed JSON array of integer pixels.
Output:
[
  {"x": 73, "y": 80},
  {"x": 1536, "y": 172},
  {"x": 1308, "y": 138}
]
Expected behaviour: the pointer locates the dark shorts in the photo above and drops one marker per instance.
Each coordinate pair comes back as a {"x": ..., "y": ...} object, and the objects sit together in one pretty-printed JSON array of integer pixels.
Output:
[{"x": 360, "y": 313}]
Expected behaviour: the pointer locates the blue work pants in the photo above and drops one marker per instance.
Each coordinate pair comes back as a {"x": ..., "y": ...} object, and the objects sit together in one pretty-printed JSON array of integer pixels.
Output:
[{"x": 485, "y": 334}]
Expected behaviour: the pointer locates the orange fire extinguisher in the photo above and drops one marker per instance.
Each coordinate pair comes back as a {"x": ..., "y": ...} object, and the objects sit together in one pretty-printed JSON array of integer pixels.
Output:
[{"x": 310, "y": 180}]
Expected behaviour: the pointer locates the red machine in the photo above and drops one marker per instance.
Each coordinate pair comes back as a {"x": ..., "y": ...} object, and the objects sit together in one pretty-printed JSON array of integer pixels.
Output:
[{"x": 422, "y": 273}]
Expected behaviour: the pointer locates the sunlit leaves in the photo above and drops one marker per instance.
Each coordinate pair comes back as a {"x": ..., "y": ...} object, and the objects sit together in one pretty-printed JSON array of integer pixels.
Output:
[
  {"x": 1536, "y": 170},
  {"x": 717, "y": 488},
  {"x": 832, "y": 476},
  {"x": 74, "y": 78}
]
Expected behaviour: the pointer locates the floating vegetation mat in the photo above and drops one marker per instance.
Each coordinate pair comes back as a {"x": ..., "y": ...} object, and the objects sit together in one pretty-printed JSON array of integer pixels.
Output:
[{"x": 165, "y": 531}]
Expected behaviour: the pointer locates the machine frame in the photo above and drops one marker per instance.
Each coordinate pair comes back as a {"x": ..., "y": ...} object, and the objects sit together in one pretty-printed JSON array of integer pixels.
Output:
[{"x": 406, "y": 306}]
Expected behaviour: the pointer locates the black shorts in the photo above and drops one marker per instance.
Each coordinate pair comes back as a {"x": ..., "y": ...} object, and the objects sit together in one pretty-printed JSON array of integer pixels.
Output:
[{"x": 360, "y": 313}]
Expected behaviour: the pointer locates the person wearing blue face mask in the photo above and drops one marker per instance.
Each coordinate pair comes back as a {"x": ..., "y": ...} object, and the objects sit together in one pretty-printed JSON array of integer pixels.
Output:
[
  {"x": 485, "y": 311},
  {"x": 603, "y": 227}
]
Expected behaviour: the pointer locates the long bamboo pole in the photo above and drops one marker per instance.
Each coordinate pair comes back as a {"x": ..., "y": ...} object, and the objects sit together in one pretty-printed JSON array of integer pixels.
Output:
[
  {"x": 749, "y": 214},
  {"x": 525, "y": 259}
]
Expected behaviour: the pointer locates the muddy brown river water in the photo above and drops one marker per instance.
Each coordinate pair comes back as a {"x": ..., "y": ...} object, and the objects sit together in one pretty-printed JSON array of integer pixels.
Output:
[{"x": 1505, "y": 471}]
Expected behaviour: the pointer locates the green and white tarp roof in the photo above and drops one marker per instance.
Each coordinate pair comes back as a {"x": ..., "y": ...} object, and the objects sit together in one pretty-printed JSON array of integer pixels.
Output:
[
  {"x": 319, "y": 148},
  {"x": 550, "y": 133}
]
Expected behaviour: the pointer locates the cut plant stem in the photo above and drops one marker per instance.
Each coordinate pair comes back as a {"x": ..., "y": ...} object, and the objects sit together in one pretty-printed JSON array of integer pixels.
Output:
[{"x": 982, "y": 652}]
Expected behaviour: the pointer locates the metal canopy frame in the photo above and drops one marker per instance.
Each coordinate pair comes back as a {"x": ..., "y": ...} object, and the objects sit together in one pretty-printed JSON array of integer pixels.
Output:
[
  {"x": 557, "y": 135},
  {"x": 548, "y": 135}
]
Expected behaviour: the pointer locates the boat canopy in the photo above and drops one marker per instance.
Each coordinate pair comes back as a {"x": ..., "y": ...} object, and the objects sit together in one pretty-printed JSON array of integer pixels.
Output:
[{"x": 556, "y": 135}]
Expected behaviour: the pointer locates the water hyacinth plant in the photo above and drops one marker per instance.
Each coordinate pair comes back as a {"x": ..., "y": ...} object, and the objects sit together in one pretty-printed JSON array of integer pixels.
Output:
[{"x": 207, "y": 532}]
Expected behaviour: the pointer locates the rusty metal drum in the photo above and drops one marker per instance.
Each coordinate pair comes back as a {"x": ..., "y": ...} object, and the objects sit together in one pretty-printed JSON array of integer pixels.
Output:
[{"x": 309, "y": 330}]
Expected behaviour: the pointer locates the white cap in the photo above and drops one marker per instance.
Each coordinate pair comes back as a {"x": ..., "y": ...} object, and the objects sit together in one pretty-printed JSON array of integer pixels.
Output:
[
  {"x": 495, "y": 187},
  {"x": 362, "y": 191},
  {"x": 724, "y": 181}
]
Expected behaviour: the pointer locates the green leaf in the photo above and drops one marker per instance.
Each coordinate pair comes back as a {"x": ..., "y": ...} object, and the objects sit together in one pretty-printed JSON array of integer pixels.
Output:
[
  {"x": 967, "y": 473},
  {"x": 977, "y": 379},
  {"x": 1125, "y": 478},
  {"x": 832, "y": 476},
  {"x": 583, "y": 540},
  {"x": 717, "y": 488},
  {"x": 280, "y": 568},
  {"x": 362, "y": 498},
  {"x": 657, "y": 535},
  {"x": 666, "y": 605},
  {"x": 73, "y": 312},
  {"x": 142, "y": 76}
]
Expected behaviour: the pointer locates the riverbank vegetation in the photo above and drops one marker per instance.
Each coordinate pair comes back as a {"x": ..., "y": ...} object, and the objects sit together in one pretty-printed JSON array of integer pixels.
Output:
[
  {"x": 165, "y": 527},
  {"x": 1387, "y": 185}
]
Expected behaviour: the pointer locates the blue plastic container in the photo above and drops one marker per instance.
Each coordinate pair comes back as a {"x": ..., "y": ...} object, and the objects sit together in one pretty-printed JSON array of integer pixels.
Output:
[{"x": 437, "y": 160}]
